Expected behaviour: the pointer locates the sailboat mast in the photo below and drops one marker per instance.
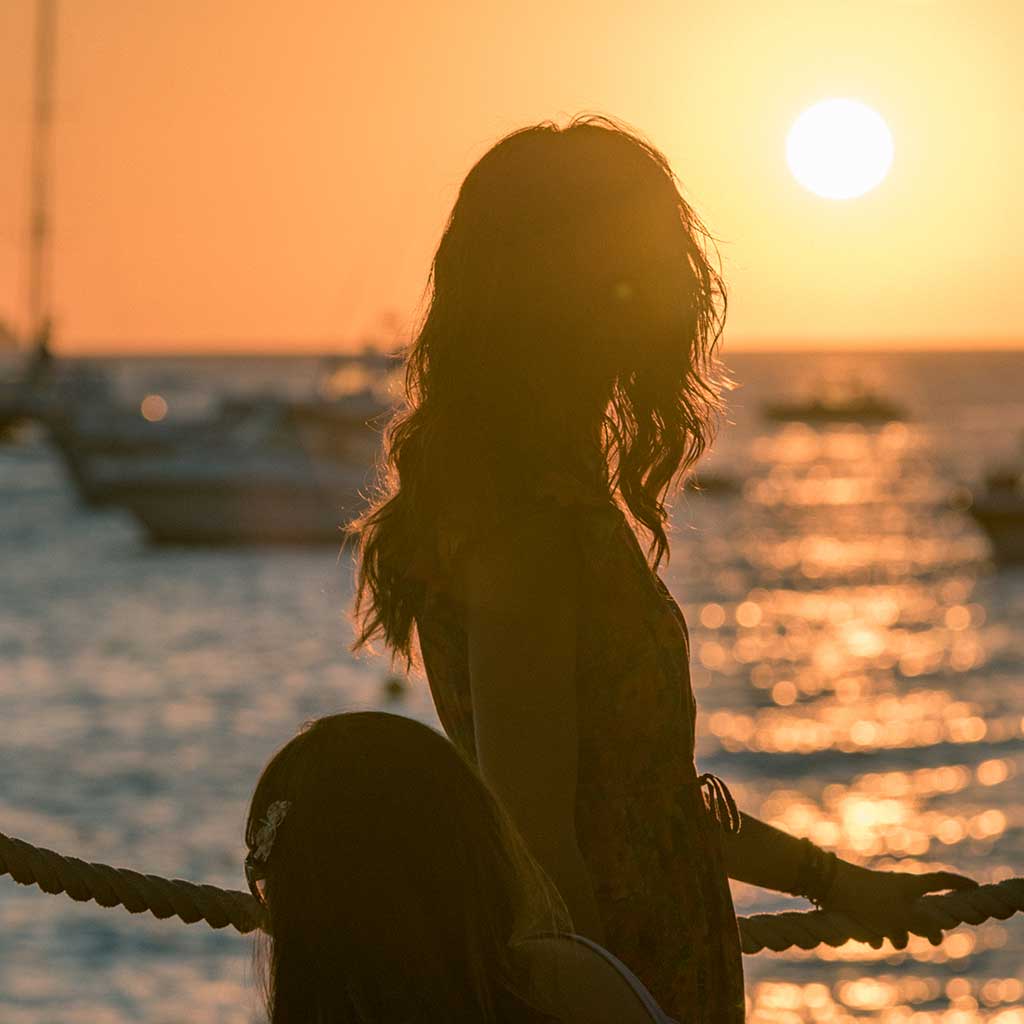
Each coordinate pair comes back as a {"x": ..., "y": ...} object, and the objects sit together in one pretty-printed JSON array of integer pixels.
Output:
[{"x": 39, "y": 271}]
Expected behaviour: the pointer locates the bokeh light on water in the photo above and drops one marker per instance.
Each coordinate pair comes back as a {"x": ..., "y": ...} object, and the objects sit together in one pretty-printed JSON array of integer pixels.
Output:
[
  {"x": 858, "y": 663},
  {"x": 859, "y": 666}
]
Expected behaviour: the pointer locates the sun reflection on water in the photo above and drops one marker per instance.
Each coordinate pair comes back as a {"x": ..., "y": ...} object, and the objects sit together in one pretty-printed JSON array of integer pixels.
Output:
[
  {"x": 842, "y": 620},
  {"x": 892, "y": 1000}
]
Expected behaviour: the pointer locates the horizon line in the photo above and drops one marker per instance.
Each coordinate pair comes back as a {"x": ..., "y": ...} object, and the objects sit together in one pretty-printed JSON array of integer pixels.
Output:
[{"x": 745, "y": 345}]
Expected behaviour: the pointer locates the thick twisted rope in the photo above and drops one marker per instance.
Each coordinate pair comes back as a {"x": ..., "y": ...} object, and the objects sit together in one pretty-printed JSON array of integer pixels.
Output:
[
  {"x": 121, "y": 887},
  {"x": 191, "y": 902},
  {"x": 808, "y": 929}
]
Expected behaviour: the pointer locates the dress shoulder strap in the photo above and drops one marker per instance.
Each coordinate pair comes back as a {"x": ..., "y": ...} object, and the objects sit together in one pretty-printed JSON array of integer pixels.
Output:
[
  {"x": 657, "y": 1015},
  {"x": 638, "y": 987}
]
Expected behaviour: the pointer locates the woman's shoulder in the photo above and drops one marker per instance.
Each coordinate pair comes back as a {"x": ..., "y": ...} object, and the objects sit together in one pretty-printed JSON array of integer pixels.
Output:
[
  {"x": 532, "y": 503},
  {"x": 544, "y": 523},
  {"x": 580, "y": 982}
]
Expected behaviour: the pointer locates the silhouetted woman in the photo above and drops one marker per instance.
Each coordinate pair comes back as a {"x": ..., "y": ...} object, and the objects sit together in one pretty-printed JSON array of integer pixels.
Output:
[
  {"x": 398, "y": 892},
  {"x": 560, "y": 385}
]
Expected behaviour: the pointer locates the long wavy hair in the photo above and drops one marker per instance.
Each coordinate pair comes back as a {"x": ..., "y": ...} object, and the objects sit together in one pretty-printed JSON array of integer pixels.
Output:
[
  {"x": 572, "y": 316},
  {"x": 395, "y": 883}
]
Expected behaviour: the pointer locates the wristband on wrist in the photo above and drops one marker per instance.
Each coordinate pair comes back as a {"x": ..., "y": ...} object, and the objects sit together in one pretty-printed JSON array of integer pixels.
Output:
[{"x": 815, "y": 873}]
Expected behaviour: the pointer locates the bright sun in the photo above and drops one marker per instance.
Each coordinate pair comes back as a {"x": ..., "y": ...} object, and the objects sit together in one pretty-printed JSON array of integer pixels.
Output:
[{"x": 839, "y": 149}]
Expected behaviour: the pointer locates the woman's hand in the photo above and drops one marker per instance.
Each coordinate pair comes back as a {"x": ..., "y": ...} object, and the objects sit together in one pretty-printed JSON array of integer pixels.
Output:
[{"x": 883, "y": 900}]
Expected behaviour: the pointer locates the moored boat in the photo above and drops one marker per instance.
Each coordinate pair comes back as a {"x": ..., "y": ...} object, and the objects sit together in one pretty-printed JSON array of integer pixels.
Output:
[
  {"x": 238, "y": 499},
  {"x": 999, "y": 511},
  {"x": 832, "y": 399},
  {"x": 266, "y": 471},
  {"x": 102, "y": 443},
  {"x": 13, "y": 412},
  {"x": 714, "y": 485},
  {"x": 123, "y": 433},
  {"x": 23, "y": 387}
]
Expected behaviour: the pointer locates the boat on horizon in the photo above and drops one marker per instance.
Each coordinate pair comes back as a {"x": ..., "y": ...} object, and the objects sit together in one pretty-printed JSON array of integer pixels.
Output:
[
  {"x": 849, "y": 402},
  {"x": 13, "y": 410},
  {"x": 999, "y": 510},
  {"x": 25, "y": 385}
]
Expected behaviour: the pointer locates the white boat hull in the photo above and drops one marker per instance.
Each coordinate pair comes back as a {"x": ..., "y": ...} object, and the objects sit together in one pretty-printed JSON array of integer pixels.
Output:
[
  {"x": 241, "y": 511},
  {"x": 234, "y": 497}
]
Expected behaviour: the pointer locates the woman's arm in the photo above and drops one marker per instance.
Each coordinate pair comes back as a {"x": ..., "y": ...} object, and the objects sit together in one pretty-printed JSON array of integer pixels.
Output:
[
  {"x": 521, "y": 595},
  {"x": 762, "y": 855}
]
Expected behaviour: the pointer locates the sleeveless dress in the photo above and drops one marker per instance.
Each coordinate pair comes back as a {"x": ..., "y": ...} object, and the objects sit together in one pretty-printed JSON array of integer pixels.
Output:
[{"x": 649, "y": 829}]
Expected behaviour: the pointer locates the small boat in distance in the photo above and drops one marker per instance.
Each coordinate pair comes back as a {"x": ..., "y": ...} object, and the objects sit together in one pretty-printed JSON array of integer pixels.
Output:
[
  {"x": 999, "y": 511},
  {"x": 713, "y": 485},
  {"x": 13, "y": 411},
  {"x": 23, "y": 387},
  {"x": 850, "y": 402}
]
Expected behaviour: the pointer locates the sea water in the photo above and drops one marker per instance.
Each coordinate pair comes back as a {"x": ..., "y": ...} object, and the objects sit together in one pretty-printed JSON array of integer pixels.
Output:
[{"x": 858, "y": 661}]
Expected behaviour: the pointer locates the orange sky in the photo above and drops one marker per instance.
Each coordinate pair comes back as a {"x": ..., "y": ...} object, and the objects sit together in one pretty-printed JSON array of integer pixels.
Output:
[{"x": 258, "y": 174}]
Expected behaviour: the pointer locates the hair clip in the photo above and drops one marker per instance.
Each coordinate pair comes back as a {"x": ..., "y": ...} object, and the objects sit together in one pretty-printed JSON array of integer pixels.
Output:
[{"x": 263, "y": 841}]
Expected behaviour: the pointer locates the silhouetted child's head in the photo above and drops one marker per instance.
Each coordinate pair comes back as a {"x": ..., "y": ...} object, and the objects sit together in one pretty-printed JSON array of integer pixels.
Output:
[{"x": 392, "y": 878}]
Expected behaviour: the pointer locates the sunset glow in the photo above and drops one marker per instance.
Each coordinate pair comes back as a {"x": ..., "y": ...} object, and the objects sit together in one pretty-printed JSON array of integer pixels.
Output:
[{"x": 288, "y": 192}]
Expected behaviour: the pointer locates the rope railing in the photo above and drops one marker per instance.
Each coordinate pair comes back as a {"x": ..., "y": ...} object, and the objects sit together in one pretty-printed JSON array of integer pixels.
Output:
[{"x": 164, "y": 898}]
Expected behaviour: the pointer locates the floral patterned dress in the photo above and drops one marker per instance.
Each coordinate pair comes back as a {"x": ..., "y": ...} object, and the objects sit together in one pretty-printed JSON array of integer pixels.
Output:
[{"x": 649, "y": 828}]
